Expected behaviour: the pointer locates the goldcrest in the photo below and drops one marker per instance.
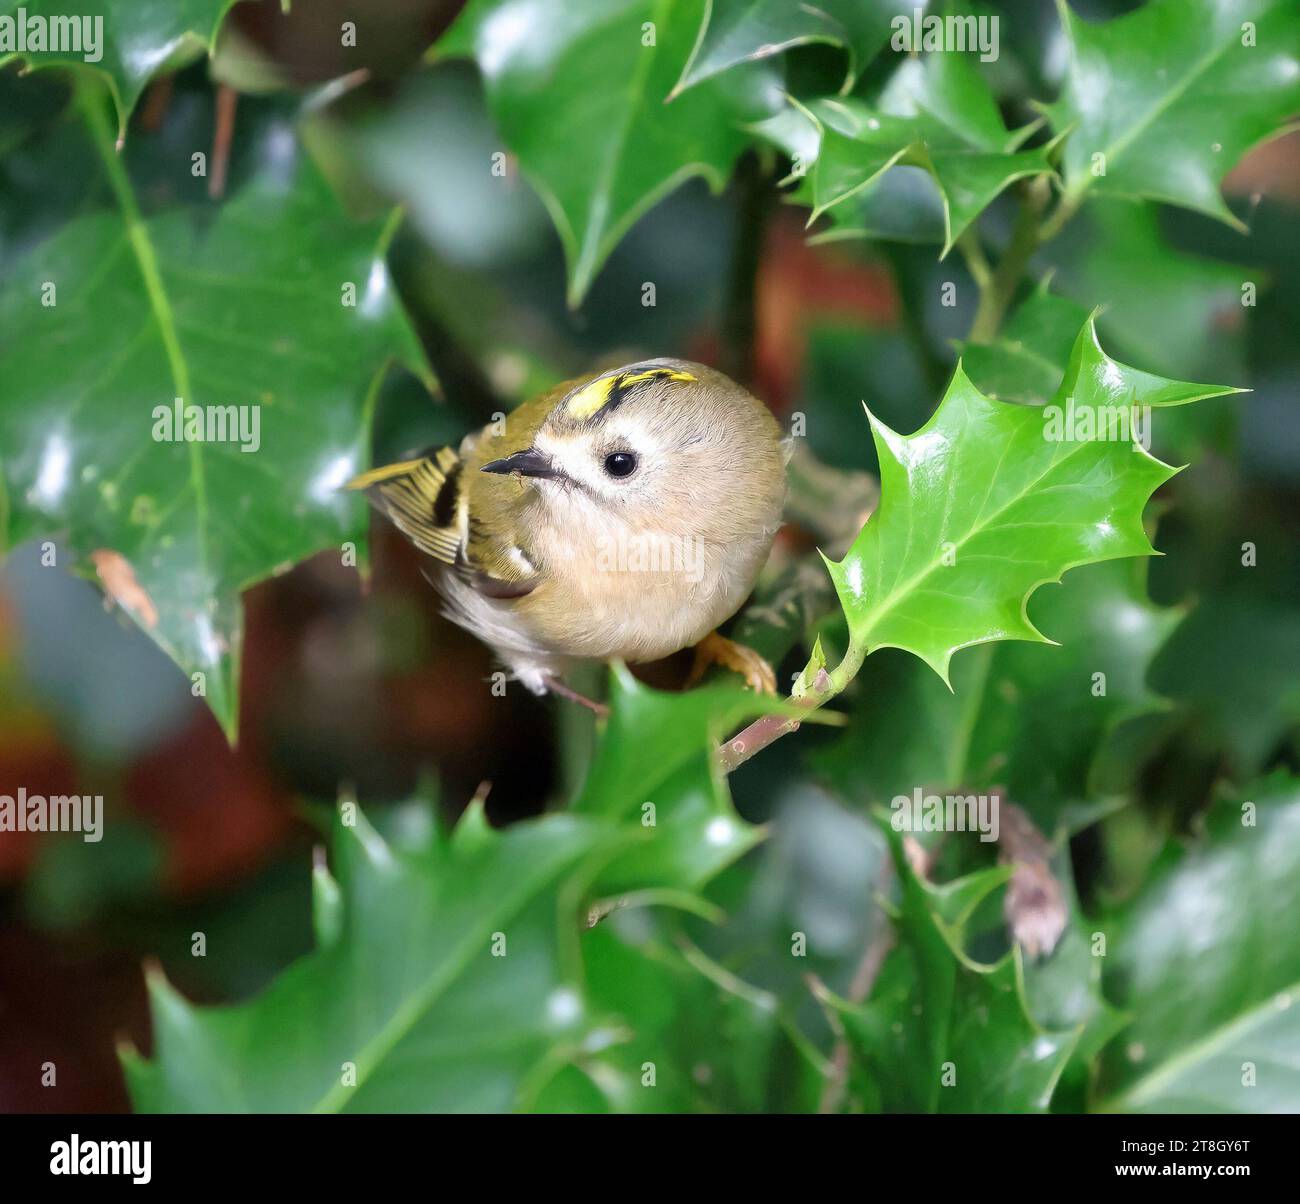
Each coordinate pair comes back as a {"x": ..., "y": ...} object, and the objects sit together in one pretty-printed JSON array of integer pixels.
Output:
[{"x": 618, "y": 516}]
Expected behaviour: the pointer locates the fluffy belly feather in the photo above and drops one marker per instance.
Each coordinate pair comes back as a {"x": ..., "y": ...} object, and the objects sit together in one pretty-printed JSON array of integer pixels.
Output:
[
  {"x": 584, "y": 611},
  {"x": 638, "y": 615}
]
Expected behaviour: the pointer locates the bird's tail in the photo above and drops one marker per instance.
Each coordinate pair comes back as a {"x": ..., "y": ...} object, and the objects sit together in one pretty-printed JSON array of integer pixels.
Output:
[{"x": 422, "y": 498}]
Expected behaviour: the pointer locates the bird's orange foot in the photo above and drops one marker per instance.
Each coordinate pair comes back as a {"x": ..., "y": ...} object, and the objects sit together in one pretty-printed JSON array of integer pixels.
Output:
[{"x": 715, "y": 649}]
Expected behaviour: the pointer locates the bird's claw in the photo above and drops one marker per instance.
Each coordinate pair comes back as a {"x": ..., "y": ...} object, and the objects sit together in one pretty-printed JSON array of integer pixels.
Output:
[{"x": 715, "y": 649}]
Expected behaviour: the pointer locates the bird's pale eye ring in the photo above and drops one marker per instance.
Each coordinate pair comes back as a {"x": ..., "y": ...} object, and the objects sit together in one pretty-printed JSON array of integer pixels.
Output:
[{"x": 620, "y": 464}]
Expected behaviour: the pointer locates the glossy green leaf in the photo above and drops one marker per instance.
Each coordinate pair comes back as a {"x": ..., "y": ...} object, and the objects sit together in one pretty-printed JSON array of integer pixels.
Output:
[
  {"x": 128, "y": 41},
  {"x": 651, "y": 735},
  {"x": 935, "y": 113},
  {"x": 244, "y": 305},
  {"x": 903, "y": 204},
  {"x": 695, "y": 1037},
  {"x": 1208, "y": 962},
  {"x": 446, "y": 980},
  {"x": 685, "y": 834},
  {"x": 1235, "y": 667},
  {"x": 1027, "y": 717},
  {"x": 1172, "y": 310},
  {"x": 1026, "y": 361},
  {"x": 577, "y": 88},
  {"x": 654, "y": 771},
  {"x": 988, "y": 501},
  {"x": 943, "y": 1033},
  {"x": 739, "y": 31},
  {"x": 819, "y": 875},
  {"x": 1063, "y": 991},
  {"x": 1163, "y": 101}
]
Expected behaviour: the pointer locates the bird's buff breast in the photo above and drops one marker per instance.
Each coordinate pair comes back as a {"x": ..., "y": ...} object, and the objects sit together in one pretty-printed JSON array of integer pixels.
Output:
[{"x": 638, "y": 599}]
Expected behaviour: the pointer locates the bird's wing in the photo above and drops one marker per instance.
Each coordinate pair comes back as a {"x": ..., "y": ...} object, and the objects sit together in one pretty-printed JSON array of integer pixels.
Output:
[
  {"x": 423, "y": 498},
  {"x": 460, "y": 517},
  {"x": 496, "y": 551}
]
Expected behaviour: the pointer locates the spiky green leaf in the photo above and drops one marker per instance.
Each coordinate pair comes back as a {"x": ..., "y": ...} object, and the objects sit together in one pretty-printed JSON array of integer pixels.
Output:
[{"x": 988, "y": 501}]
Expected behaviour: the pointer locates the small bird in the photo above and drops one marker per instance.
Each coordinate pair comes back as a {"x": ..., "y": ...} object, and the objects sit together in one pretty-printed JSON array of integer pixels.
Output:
[{"x": 617, "y": 516}]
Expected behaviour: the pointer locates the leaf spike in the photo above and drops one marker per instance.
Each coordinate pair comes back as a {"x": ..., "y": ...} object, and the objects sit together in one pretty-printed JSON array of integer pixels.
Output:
[
  {"x": 167, "y": 1006},
  {"x": 363, "y": 838},
  {"x": 472, "y": 830}
]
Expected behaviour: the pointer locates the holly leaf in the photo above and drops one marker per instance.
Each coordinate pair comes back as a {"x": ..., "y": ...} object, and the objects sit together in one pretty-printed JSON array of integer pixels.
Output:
[
  {"x": 594, "y": 74},
  {"x": 941, "y": 1032},
  {"x": 976, "y": 733},
  {"x": 125, "y": 42},
  {"x": 651, "y": 735},
  {"x": 440, "y": 983},
  {"x": 1173, "y": 310},
  {"x": 655, "y": 770},
  {"x": 688, "y": 830},
  {"x": 696, "y": 1037},
  {"x": 1161, "y": 306},
  {"x": 812, "y": 888},
  {"x": 242, "y": 312},
  {"x": 935, "y": 113},
  {"x": 1025, "y": 362},
  {"x": 1061, "y": 989},
  {"x": 1029, "y": 718},
  {"x": 1163, "y": 101},
  {"x": 1234, "y": 666},
  {"x": 988, "y": 501},
  {"x": 1208, "y": 961},
  {"x": 740, "y": 31},
  {"x": 903, "y": 205}
]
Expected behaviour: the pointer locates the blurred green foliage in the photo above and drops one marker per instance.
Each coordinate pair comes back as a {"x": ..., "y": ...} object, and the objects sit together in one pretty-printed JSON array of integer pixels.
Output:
[{"x": 680, "y": 940}]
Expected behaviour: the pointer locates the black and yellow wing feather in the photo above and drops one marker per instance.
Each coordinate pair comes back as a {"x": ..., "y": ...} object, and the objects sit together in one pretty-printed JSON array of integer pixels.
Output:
[
  {"x": 423, "y": 499},
  {"x": 427, "y": 500}
]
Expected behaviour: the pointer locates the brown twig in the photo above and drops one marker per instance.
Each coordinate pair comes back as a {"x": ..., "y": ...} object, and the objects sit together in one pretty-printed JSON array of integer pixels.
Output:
[
  {"x": 864, "y": 978},
  {"x": 556, "y": 686},
  {"x": 758, "y": 735},
  {"x": 223, "y": 135},
  {"x": 156, "y": 103},
  {"x": 764, "y": 731}
]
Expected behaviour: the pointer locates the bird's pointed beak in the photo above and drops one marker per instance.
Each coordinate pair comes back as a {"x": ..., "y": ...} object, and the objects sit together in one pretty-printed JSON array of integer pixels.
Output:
[{"x": 530, "y": 463}]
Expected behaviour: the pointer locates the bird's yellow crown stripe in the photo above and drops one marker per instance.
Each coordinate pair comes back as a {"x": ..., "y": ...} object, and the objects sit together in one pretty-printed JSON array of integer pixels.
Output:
[
  {"x": 585, "y": 402},
  {"x": 594, "y": 397}
]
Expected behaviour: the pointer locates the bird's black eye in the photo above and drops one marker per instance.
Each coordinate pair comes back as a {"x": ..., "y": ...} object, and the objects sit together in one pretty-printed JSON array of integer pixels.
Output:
[{"x": 620, "y": 464}]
